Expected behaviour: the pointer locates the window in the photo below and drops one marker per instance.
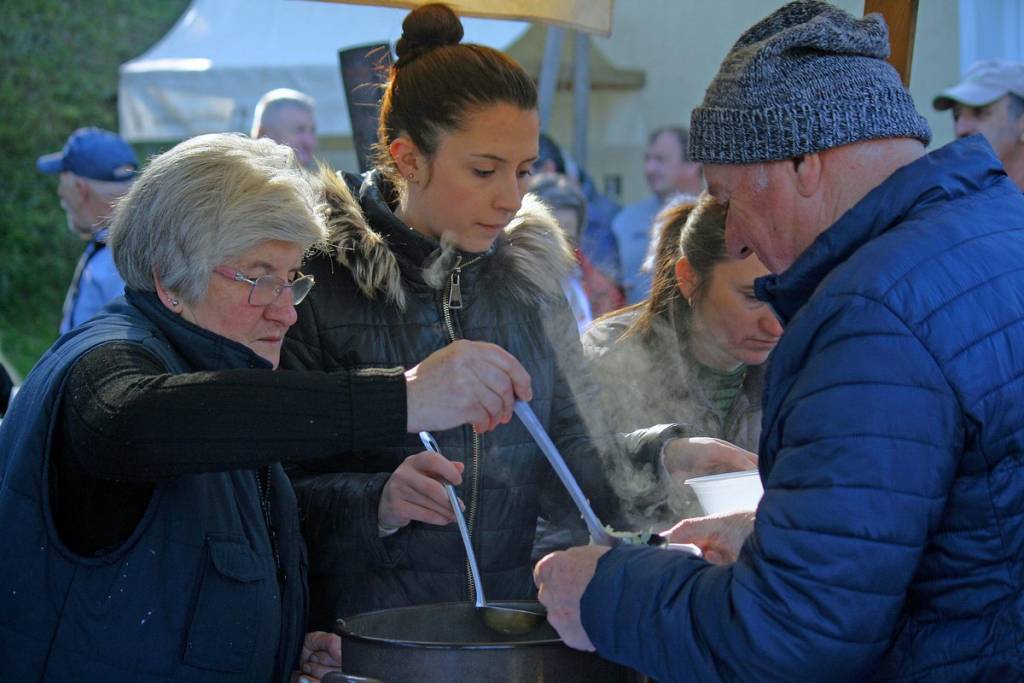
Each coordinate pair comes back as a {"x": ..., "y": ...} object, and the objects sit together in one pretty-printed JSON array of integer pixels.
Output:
[{"x": 991, "y": 29}]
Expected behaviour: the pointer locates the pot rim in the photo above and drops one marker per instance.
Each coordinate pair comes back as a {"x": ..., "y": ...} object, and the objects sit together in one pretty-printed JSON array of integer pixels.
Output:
[{"x": 341, "y": 628}]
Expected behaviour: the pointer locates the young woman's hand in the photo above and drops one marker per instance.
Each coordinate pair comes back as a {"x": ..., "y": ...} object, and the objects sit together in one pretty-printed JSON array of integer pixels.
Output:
[{"x": 415, "y": 492}]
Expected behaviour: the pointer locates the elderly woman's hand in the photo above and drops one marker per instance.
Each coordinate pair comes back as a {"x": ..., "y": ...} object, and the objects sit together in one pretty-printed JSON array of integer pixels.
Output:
[
  {"x": 719, "y": 537},
  {"x": 467, "y": 382},
  {"x": 415, "y": 492},
  {"x": 321, "y": 654},
  {"x": 699, "y": 456}
]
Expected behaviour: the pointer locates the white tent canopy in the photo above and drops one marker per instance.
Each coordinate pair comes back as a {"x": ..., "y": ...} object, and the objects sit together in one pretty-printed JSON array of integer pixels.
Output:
[
  {"x": 592, "y": 16},
  {"x": 211, "y": 68}
]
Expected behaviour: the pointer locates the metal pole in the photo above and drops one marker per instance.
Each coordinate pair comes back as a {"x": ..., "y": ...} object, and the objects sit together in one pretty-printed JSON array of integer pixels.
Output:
[
  {"x": 547, "y": 81},
  {"x": 580, "y": 96}
]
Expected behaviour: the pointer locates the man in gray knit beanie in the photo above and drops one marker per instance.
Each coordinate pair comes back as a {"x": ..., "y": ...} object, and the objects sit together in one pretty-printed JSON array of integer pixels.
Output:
[
  {"x": 890, "y": 451},
  {"x": 808, "y": 78},
  {"x": 807, "y": 84}
]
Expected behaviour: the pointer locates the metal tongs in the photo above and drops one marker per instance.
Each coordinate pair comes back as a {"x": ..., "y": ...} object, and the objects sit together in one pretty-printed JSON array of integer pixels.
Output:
[{"x": 598, "y": 533}]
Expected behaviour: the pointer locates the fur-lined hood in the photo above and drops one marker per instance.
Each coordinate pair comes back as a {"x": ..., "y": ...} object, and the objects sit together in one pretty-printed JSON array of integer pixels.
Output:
[{"x": 528, "y": 261}]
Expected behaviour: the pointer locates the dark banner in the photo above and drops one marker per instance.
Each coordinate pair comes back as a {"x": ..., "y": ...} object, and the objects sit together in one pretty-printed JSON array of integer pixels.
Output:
[{"x": 364, "y": 70}]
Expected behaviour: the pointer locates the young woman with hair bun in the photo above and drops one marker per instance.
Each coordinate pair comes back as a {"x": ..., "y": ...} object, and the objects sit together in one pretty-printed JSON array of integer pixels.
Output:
[{"x": 438, "y": 244}]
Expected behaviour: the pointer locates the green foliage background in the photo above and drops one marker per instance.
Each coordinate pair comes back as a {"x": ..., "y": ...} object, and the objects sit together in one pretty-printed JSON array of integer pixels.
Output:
[{"x": 58, "y": 71}]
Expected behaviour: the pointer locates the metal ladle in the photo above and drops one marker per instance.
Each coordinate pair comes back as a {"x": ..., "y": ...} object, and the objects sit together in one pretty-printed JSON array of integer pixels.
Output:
[
  {"x": 598, "y": 533},
  {"x": 507, "y": 620}
]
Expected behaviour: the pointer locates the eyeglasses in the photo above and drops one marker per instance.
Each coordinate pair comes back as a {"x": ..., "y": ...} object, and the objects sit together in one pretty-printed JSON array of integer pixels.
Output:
[{"x": 267, "y": 288}]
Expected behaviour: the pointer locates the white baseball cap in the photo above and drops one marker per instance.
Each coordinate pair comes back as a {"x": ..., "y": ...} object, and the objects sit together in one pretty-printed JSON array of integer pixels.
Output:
[{"x": 984, "y": 83}]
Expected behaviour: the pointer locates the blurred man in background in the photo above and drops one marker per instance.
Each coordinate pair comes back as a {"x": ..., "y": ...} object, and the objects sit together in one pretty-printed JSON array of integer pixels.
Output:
[
  {"x": 669, "y": 173},
  {"x": 95, "y": 167},
  {"x": 288, "y": 117},
  {"x": 596, "y": 241},
  {"x": 990, "y": 101}
]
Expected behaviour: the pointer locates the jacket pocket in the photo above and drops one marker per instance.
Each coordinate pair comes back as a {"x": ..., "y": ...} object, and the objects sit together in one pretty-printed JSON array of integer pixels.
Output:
[{"x": 225, "y": 620}]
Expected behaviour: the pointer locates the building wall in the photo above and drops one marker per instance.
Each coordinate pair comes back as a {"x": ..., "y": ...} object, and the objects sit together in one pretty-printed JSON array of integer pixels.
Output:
[
  {"x": 680, "y": 43},
  {"x": 339, "y": 153}
]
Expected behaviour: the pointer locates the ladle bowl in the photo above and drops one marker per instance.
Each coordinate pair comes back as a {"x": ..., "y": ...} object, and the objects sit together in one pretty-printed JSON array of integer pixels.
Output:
[{"x": 510, "y": 620}]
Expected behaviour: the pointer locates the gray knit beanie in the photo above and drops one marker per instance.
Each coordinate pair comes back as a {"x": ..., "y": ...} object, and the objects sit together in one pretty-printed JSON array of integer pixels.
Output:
[{"x": 807, "y": 78}]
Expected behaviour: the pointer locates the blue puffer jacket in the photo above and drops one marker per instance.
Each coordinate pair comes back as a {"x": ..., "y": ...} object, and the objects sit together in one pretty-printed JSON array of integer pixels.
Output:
[{"x": 890, "y": 541}]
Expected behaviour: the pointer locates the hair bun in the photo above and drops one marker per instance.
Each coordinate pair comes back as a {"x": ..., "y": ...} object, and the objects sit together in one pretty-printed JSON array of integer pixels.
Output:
[{"x": 427, "y": 27}]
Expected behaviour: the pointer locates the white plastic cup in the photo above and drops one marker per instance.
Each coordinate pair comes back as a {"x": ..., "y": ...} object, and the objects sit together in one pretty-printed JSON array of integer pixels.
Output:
[{"x": 728, "y": 492}]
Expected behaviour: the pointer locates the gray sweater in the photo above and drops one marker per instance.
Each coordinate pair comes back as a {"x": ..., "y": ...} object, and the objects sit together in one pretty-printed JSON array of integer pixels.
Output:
[{"x": 652, "y": 378}]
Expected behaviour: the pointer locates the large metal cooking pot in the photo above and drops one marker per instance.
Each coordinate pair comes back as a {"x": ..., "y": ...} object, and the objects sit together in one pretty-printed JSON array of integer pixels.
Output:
[{"x": 448, "y": 643}]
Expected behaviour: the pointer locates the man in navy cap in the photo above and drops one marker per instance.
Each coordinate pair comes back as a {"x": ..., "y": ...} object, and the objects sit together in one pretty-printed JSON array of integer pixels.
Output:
[
  {"x": 990, "y": 101},
  {"x": 96, "y": 167}
]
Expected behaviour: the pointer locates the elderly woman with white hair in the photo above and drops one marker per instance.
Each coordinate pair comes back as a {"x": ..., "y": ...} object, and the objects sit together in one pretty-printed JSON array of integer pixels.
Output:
[{"x": 149, "y": 529}]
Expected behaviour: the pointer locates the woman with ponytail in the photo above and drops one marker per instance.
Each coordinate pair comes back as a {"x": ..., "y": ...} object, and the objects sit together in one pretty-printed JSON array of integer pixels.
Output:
[{"x": 692, "y": 353}]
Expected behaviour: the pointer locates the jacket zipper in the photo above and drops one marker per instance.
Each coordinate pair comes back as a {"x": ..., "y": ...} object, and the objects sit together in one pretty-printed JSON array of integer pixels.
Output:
[
  {"x": 452, "y": 300},
  {"x": 454, "y": 295}
]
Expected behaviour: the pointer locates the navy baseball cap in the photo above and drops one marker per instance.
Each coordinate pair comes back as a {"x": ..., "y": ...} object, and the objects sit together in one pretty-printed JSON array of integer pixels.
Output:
[{"x": 92, "y": 153}]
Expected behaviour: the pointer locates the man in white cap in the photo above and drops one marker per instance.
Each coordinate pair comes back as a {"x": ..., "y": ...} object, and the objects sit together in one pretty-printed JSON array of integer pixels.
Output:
[{"x": 990, "y": 100}]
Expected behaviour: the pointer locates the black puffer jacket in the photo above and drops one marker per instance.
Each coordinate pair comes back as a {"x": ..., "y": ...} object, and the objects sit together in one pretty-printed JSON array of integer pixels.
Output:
[{"x": 382, "y": 300}]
